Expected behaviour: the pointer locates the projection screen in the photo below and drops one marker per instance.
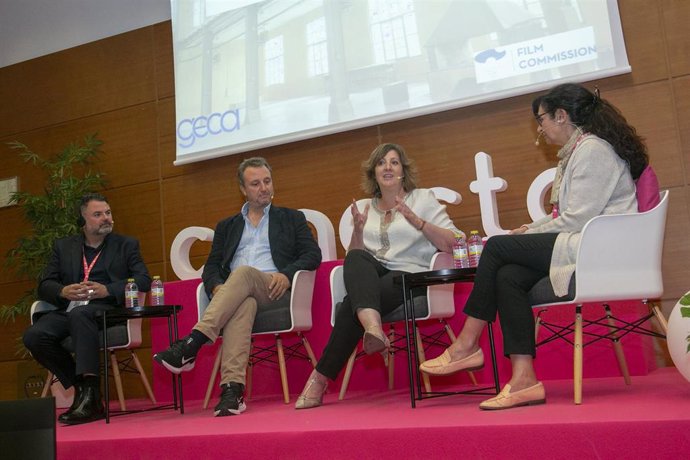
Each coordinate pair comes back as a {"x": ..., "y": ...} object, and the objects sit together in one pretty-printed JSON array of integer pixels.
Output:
[{"x": 251, "y": 74}]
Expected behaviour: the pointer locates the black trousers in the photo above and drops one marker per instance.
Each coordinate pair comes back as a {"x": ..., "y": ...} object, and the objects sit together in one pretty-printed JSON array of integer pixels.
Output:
[
  {"x": 369, "y": 285},
  {"x": 44, "y": 340},
  {"x": 509, "y": 267}
]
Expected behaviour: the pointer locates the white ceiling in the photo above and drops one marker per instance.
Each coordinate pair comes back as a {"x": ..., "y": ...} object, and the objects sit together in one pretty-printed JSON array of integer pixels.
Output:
[{"x": 33, "y": 28}]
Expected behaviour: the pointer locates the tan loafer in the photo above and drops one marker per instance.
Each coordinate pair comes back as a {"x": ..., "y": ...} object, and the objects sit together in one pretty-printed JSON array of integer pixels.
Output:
[
  {"x": 507, "y": 399},
  {"x": 443, "y": 365}
]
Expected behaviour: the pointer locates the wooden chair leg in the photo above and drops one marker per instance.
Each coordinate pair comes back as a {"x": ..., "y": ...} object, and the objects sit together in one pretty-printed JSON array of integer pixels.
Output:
[
  {"x": 212, "y": 380},
  {"x": 142, "y": 376},
  {"x": 283, "y": 369},
  {"x": 421, "y": 357},
  {"x": 348, "y": 374},
  {"x": 46, "y": 386},
  {"x": 577, "y": 358},
  {"x": 391, "y": 359},
  {"x": 660, "y": 317},
  {"x": 307, "y": 347},
  {"x": 617, "y": 346},
  {"x": 118, "y": 380}
]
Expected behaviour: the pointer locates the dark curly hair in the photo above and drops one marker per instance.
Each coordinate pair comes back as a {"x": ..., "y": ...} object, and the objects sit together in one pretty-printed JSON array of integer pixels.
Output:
[{"x": 597, "y": 116}]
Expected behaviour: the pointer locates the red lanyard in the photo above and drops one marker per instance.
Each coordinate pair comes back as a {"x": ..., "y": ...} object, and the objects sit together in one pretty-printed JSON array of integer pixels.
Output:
[{"x": 87, "y": 268}]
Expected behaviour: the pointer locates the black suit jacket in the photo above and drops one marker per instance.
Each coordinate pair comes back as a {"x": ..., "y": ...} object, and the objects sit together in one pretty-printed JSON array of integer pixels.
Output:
[
  {"x": 292, "y": 246},
  {"x": 120, "y": 255}
]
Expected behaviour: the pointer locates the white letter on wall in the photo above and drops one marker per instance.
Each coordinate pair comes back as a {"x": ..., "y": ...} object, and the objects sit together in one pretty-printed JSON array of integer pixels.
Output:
[
  {"x": 486, "y": 187},
  {"x": 179, "y": 251},
  {"x": 536, "y": 193}
]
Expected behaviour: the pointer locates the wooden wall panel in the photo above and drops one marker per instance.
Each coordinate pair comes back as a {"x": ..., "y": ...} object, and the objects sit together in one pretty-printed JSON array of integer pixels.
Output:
[
  {"x": 129, "y": 150},
  {"x": 676, "y": 20},
  {"x": 644, "y": 40},
  {"x": 650, "y": 109},
  {"x": 676, "y": 245},
  {"x": 78, "y": 82},
  {"x": 163, "y": 60},
  {"x": 681, "y": 95},
  {"x": 136, "y": 212}
]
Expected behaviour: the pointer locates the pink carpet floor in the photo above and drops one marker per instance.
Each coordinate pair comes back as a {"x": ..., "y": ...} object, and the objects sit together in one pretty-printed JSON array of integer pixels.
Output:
[{"x": 649, "y": 419}]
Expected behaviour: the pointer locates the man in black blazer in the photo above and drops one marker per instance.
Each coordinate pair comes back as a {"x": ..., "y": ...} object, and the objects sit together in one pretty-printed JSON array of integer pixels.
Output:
[
  {"x": 253, "y": 258},
  {"x": 86, "y": 274}
]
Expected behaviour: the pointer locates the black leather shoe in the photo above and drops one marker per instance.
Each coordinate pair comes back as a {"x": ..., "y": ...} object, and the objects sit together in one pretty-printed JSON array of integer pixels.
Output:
[
  {"x": 78, "y": 392},
  {"x": 89, "y": 408}
]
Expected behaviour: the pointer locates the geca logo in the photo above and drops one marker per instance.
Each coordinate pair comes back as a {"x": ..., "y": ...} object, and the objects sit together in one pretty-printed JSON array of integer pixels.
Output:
[{"x": 189, "y": 129}]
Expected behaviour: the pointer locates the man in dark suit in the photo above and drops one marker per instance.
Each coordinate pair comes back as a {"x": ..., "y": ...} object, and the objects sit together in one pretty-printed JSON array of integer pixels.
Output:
[
  {"x": 86, "y": 274},
  {"x": 253, "y": 258}
]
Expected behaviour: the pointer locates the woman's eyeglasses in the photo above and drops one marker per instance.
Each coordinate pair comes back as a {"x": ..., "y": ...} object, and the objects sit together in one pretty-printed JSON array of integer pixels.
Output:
[{"x": 539, "y": 117}]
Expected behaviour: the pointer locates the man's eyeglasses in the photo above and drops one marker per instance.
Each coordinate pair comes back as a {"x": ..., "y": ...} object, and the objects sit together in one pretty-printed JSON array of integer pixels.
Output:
[{"x": 539, "y": 117}]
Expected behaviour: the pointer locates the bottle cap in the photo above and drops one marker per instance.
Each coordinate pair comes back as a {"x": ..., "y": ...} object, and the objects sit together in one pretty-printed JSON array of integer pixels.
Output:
[
  {"x": 156, "y": 277},
  {"x": 130, "y": 280},
  {"x": 474, "y": 232}
]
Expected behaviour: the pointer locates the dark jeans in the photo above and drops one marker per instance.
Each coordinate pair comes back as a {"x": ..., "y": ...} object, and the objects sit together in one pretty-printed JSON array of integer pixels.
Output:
[
  {"x": 509, "y": 267},
  {"x": 369, "y": 285},
  {"x": 44, "y": 340}
]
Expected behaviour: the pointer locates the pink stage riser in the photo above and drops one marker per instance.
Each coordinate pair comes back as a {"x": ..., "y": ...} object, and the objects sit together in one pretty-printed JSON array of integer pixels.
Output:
[
  {"x": 554, "y": 361},
  {"x": 649, "y": 419}
]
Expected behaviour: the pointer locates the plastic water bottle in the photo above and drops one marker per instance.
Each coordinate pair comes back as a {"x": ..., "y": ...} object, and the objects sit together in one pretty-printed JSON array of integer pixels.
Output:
[
  {"x": 475, "y": 246},
  {"x": 460, "y": 259},
  {"x": 157, "y": 296},
  {"x": 131, "y": 294}
]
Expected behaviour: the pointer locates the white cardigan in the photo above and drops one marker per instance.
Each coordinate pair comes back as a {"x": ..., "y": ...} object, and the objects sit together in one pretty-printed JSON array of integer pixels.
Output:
[{"x": 596, "y": 181}]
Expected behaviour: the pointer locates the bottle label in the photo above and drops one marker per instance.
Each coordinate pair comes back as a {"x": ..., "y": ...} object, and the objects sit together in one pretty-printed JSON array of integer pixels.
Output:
[
  {"x": 459, "y": 253},
  {"x": 132, "y": 299},
  {"x": 157, "y": 296},
  {"x": 460, "y": 259},
  {"x": 475, "y": 249}
]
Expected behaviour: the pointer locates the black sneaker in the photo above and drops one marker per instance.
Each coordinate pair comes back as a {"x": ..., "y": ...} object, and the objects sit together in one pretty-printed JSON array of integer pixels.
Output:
[
  {"x": 231, "y": 400},
  {"x": 179, "y": 357}
]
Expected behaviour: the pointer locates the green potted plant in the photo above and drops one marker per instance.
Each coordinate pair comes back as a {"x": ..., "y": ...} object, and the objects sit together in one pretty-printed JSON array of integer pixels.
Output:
[{"x": 52, "y": 214}]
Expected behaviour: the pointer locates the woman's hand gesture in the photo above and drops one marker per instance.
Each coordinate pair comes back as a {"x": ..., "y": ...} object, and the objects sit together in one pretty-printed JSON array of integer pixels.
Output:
[{"x": 359, "y": 218}]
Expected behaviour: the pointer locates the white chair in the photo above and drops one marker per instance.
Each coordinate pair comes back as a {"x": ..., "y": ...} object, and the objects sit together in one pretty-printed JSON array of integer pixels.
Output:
[
  {"x": 294, "y": 318},
  {"x": 125, "y": 336},
  {"x": 619, "y": 258},
  {"x": 438, "y": 304}
]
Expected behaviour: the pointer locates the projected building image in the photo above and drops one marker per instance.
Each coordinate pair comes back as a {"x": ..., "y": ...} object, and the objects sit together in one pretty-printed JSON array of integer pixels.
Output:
[{"x": 268, "y": 72}]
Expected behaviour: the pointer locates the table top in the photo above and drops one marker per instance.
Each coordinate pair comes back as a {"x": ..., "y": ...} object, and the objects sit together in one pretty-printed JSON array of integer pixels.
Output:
[
  {"x": 143, "y": 312},
  {"x": 442, "y": 276}
]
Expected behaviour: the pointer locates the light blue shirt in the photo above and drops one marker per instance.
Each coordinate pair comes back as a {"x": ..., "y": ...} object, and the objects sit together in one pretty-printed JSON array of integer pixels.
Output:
[{"x": 254, "y": 249}]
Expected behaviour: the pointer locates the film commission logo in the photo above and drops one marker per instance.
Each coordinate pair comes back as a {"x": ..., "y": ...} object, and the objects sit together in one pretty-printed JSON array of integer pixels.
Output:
[
  {"x": 191, "y": 129},
  {"x": 529, "y": 56}
]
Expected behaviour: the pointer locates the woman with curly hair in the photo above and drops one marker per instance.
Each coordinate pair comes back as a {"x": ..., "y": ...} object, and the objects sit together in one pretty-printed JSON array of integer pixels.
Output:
[{"x": 601, "y": 157}]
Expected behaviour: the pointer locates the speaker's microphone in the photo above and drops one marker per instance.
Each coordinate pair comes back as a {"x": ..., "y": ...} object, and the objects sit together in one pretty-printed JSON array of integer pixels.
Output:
[
  {"x": 536, "y": 141},
  {"x": 400, "y": 177}
]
